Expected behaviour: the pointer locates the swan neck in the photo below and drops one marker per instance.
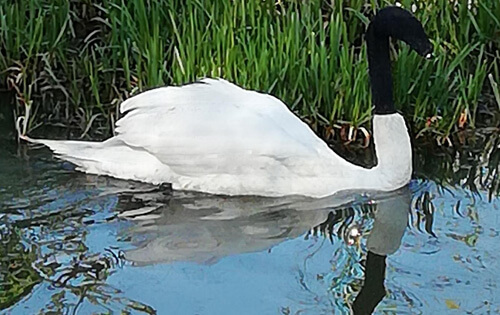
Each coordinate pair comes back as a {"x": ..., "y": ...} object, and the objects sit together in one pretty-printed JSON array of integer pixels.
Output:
[
  {"x": 379, "y": 66},
  {"x": 393, "y": 150}
]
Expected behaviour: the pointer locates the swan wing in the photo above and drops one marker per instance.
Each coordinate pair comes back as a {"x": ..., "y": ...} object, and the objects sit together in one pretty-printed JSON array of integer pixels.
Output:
[{"x": 215, "y": 127}]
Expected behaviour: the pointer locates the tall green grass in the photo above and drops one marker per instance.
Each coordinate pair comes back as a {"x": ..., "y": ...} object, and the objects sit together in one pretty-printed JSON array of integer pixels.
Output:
[{"x": 72, "y": 62}]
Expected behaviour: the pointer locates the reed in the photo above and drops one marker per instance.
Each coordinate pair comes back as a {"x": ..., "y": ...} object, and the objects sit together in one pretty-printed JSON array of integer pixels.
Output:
[{"x": 72, "y": 62}]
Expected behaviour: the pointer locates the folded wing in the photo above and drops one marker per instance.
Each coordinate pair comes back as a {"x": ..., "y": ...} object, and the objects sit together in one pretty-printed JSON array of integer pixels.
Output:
[{"x": 215, "y": 127}]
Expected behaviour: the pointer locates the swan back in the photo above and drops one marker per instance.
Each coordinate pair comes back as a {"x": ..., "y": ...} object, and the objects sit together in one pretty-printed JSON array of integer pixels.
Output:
[{"x": 217, "y": 132}]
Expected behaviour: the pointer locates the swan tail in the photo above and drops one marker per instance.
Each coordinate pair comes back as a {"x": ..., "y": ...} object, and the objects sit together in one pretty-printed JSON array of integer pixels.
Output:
[
  {"x": 111, "y": 157},
  {"x": 66, "y": 148}
]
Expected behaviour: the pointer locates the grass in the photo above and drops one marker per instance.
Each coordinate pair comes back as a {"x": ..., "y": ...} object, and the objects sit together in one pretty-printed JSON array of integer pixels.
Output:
[{"x": 71, "y": 62}]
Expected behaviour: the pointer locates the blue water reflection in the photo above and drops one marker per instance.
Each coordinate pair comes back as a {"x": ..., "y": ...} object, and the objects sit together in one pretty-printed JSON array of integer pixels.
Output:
[{"x": 107, "y": 245}]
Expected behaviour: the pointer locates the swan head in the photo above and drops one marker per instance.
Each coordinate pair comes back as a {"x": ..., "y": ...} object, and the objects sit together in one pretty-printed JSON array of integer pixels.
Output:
[{"x": 400, "y": 24}]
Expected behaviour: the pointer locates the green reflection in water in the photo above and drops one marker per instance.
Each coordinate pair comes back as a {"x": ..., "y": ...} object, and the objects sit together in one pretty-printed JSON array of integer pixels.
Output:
[{"x": 17, "y": 276}]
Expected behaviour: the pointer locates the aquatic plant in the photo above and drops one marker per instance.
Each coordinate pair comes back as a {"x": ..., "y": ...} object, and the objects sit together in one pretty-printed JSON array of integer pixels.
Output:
[{"x": 70, "y": 63}]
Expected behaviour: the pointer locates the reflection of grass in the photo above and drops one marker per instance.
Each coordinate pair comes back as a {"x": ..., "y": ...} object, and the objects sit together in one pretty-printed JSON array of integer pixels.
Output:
[
  {"x": 339, "y": 222},
  {"x": 17, "y": 276},
  {"x": 424, "y": 212},
  {"x": 473, "y": 164},
  {"x": 71, "y": 61},
  {"x": 84, "y": 280},
  {"x": 59, "y": 257},
  {"x": 345, "y": 277}
]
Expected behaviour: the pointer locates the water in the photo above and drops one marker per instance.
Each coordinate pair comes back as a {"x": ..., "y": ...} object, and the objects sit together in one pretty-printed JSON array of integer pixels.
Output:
[{"x": 73, "y": 243}]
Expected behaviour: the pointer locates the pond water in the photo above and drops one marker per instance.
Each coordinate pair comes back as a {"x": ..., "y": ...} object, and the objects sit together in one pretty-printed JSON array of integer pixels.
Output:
[{"x": 73, "y": 243}]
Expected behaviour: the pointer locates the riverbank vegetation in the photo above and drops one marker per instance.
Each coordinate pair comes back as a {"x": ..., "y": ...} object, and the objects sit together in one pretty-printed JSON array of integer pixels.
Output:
[{"x": 70, "y": 63}]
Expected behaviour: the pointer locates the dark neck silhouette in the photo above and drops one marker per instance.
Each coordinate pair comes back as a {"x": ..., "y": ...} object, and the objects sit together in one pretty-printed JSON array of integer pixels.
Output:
[
  {"x": 373, "y": 290},
  {"x": 379, "y": 65},
  {"x": 391, "y": 22}
]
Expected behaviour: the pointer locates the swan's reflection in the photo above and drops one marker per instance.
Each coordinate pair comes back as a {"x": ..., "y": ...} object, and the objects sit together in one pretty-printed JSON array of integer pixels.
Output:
[
  {"x": 391, "y": 219},
  {"x": 204, "y": 228}
]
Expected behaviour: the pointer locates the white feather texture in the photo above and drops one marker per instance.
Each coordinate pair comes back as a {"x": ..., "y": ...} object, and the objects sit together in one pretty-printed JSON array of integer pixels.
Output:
[{"x": 216, "y": 137}]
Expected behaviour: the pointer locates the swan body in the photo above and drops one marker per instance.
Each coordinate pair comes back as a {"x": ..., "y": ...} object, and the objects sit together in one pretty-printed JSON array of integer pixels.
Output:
[{"x": 215, "y": 137}]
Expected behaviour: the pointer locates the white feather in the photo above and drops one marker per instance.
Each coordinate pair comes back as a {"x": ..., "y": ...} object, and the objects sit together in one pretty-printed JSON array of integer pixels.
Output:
[{"x": 216, "y": 137}]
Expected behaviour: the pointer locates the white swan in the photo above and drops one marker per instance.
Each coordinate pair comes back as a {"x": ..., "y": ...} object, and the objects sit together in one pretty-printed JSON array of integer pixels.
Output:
[{"x": 215, "y": 137}]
